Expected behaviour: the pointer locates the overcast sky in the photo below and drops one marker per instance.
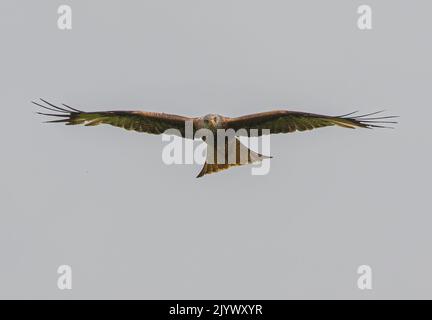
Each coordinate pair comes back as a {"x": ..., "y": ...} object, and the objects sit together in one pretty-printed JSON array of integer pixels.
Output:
[{"x": 100, "y": 199}]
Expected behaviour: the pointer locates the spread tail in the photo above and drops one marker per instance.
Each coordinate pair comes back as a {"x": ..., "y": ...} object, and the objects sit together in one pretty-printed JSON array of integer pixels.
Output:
[{"x": 242, "y": 156}]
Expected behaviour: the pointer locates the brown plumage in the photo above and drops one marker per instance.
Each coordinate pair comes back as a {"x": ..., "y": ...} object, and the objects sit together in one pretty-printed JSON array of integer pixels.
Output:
[{"x": 278, "y": 121}]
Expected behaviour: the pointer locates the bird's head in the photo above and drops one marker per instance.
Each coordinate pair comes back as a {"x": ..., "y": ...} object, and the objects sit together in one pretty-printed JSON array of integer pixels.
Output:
[{"x": 211, "y": 121}]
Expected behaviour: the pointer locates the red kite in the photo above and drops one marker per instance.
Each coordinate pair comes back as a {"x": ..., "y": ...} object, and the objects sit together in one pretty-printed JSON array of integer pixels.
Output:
[{"x": 278, "y": 121}]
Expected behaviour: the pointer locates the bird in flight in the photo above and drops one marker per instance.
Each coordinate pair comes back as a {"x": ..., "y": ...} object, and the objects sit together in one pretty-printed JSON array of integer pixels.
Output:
[{"x": 271, "y": 122}]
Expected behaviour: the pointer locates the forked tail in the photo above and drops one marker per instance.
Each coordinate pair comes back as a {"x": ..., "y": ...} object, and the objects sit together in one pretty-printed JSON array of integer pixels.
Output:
[{"x": 219, "y": 160}]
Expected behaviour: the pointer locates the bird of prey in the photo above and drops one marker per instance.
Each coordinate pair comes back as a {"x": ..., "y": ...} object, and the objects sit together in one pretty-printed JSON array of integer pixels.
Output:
[{"x": 271, "y": 122}]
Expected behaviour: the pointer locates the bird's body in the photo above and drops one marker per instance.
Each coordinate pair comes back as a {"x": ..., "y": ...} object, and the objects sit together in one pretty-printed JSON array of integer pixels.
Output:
[
  {"x": 211, "y": 121},
  {"x": 271, "y": 122}
]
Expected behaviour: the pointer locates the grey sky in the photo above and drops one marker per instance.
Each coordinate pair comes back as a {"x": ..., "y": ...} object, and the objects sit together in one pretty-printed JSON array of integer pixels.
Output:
[{"x": 101, "y": 200}]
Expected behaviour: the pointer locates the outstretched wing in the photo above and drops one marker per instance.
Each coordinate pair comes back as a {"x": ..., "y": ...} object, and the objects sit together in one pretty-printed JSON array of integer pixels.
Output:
[
  {"x": 149, "y": 122},
  {"x": 284, "y": 121}
]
